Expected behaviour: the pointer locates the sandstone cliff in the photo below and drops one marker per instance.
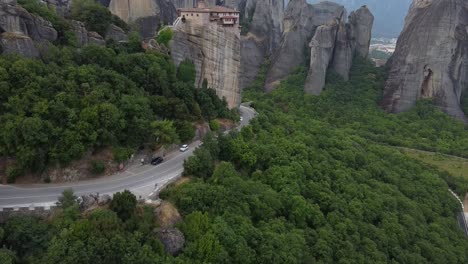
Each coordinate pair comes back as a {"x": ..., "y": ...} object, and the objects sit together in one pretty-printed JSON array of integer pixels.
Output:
[
  {"x": 321, "y": 55},
  {"x": 215, "y": 51},
  {"x": 431, "y": 58},
  {"x": 334, "y": 46},
  {"x": 148, "y": 15},
  {"x": 299, "y": 25},
  {"x": 263, "y": 37}
]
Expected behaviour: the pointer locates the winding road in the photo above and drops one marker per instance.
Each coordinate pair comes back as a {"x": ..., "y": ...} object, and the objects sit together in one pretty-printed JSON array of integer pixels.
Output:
[{"x": 140, "y": 180}]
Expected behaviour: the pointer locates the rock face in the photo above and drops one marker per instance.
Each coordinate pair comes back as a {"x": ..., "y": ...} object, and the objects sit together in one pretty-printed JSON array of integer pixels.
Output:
[
  {"x": 17, "y": 43},
  {"x": 264, "y": 35},
  {"x": 172, "y": 239},
  {"x": 21, "y": 29},
  {"x": 300, "y": 23},
  {"x": 86, "y": 37},
  {"x": 334, "y": 46},
  {"x": 431, "y": 58},
  {"x": 361, "y": 22},
  {"x": 14, "y": 18},
  {"x": 321, "y": 55},
  {"x": 148, "y": 15},
  {"x": 215, "y": 51}
]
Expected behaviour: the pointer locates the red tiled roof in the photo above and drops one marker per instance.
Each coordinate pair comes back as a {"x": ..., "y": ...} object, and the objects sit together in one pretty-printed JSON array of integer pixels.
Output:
[{"x": 218, "y": 9}]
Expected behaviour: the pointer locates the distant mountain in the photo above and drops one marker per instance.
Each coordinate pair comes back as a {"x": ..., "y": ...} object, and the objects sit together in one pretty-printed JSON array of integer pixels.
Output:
[{"x": 389, "y": 14}]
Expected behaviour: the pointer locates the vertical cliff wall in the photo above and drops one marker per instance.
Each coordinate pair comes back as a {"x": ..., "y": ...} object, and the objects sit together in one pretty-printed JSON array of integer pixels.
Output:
[
  {"x": 431, "y": 58},
  {"x": 263, "y": 37},
  {"x": 148, "y": 15},
  {"x": 215, "y": 51},
  {"x": 335, "y": 45},
  {"x": 299, "y": 25}
]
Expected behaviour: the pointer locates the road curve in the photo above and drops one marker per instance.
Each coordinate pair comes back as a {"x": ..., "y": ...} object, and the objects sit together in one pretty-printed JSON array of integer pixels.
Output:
[{"x": 140, "y": 180}]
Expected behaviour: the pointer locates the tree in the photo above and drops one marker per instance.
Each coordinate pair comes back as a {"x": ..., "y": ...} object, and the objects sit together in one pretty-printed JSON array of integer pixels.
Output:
[
  {"x": 165, "y": 36},
  {"x": 67, "y": 199},
  {"x": 7, "y": 256},
  {"x": 26, "y": 235},
  {"x": 124, "y": 204},
  {"x": 164, "y": 133}
]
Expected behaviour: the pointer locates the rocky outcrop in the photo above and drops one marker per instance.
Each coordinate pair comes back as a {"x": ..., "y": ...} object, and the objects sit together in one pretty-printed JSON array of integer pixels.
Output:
[
  {"x": 116, "y": 33},
  {"x": 172, "y": 239},
  {"x": 20, "y": 30},
  {"x": 431, "y": 58},
  {"x": 334, "y": 46},
  {"x": 299, "y": 25},
  {"x": 148, "y": 15},
  {"x": 321, "y": 55},
  {"x": 17, "y": 43},
  {"x": 263, "y": 37},
  {"x": 361, "y": 22},
  {"x": 85, "y": 37},
  {"x": 14, "y": 18},
  {"x": 215, "y": 52}
]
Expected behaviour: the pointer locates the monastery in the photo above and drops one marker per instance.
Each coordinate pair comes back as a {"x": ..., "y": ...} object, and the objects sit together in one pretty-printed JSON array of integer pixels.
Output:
[{"x": 203, "y": 14}]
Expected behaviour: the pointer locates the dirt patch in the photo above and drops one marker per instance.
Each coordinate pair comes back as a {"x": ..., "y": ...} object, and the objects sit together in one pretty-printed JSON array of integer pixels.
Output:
[
  {"x": 182, "y": 181},
  {"x": 226, "y": 124},
  {"x": 167, "y": 215}
]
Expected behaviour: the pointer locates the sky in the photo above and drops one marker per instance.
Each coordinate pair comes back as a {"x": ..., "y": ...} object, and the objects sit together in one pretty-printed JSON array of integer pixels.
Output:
[{"x": 389, "y": 14}]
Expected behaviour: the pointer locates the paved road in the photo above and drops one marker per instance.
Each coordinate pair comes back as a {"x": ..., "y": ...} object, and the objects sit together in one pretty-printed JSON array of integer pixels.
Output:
[{"x": 140, "y": 180}]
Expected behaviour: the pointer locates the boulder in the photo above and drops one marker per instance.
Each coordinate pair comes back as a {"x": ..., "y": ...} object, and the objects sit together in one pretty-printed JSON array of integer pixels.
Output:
[
  {"x": 104, "y": 199},
  {"x": 17, "y": 43},
  {"x": 321, "y": 55},
  {"x": 172, "y": 239},
  {"x": 431, "y": 58},
  {"x": 95, "y": 38},
  {"x": 116, "y": 33},
  {"x": 87, "y": 202},
  {"x": 80, "y": 32}
]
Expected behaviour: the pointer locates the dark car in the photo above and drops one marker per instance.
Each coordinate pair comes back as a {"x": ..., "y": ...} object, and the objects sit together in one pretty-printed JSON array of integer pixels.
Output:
[{"x": 156, "y": 161}]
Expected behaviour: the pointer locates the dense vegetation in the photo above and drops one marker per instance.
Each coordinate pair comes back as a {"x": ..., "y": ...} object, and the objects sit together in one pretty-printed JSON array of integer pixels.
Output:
[
  {"x": 76, "y": 100},
  {"x": 310, "y": 181},
  {"x": 314, "y": 180}
]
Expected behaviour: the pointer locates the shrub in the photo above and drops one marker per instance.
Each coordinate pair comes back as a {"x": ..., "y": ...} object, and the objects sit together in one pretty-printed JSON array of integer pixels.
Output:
[
  {"x": 97, "y": 167},
  {"x": 12, "y": 173},
  {"x": 165, "y": 36},
  {"x": 214, "y": 125},
  {"x": 124, "y": 204},
  {"x": 122, "y": 154}
]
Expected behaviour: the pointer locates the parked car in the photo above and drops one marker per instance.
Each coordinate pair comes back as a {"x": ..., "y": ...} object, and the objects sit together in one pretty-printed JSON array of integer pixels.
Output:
[
  {"x": 183, "y": 148},
  {"x": 157, "y": 160},
  {"x": 241, "y": 118}
]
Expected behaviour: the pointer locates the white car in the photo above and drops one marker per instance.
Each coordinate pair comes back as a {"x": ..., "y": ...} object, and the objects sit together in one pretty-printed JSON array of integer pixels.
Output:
[
  {"x": 241, "y": 118},
  {"x": 183, "y": 148}
]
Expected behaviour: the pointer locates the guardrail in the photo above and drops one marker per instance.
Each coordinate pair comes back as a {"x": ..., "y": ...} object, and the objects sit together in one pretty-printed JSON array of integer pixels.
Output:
[{"x": 462, "y": 217}]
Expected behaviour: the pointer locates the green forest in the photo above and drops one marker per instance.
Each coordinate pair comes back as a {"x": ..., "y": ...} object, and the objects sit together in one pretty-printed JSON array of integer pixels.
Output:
[
  {"x": 75, "y": 100},
  {"x": 313, "y": 179}
]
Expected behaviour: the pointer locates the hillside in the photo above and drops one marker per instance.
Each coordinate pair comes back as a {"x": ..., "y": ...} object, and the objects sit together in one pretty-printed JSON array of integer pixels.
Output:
[
  {"x": 311, "y": 180},
  {"x": 74, "y": 98}
]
